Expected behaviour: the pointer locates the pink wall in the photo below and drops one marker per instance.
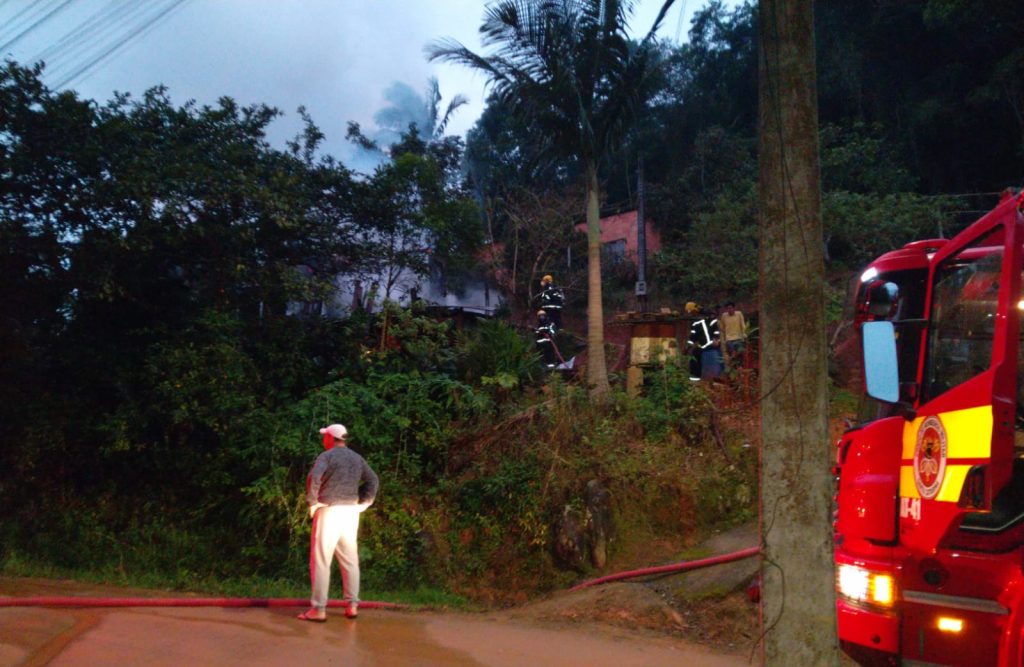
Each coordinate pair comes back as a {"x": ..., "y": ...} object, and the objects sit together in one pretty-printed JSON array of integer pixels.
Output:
[{"x": 623, "y": 226}]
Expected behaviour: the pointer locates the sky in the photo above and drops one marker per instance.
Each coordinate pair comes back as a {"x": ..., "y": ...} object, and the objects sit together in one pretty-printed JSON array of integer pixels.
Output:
[{"x": 335, "y": 57}]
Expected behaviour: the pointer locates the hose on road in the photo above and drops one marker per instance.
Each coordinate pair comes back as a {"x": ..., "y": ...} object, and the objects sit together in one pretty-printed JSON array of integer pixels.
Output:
[
  {"x": 671, "y": 569},
  {"x": 81, "y": 601}
]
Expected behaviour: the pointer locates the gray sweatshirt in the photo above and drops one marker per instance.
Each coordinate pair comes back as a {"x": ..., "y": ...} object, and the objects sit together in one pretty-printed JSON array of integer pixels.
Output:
[{"x": 341, "y": 477}]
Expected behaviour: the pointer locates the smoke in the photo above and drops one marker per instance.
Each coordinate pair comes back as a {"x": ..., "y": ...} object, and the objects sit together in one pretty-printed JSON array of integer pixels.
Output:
[{"x": 405, "y": 108}]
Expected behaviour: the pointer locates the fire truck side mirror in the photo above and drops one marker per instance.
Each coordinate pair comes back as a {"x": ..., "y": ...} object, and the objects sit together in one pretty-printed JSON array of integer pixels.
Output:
[
  {"x": 881, "y": 369},
  {"x": 882, "y": 298}
]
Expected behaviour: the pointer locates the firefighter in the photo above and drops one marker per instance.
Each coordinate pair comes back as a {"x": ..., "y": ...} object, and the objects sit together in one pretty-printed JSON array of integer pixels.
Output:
[
  {"x": 551, "y": 300},
  {"x": 544, "y": 337},
  {"x": 693, "y": 310},
  {"x": 706, "y": 340}
]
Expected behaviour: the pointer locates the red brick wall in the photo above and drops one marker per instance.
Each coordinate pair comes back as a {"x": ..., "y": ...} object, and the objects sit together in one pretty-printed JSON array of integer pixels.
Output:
[{"x": 623, "y": 227}]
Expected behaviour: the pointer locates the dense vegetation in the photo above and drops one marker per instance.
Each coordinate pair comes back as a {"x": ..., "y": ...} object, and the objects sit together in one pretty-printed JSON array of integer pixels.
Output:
[
  {"x": 162, "y": 390},
  {"x": 164, "y": 365},
  {"x": 920, "y": 111}
]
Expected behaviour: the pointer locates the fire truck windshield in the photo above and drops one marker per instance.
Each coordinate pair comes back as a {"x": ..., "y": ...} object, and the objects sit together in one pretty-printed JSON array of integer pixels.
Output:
[{"x": 965, "y": 301}]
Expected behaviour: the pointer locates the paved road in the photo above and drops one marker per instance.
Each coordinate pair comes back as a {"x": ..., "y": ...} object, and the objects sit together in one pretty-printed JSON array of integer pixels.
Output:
[{"x": 259, "y": 636}]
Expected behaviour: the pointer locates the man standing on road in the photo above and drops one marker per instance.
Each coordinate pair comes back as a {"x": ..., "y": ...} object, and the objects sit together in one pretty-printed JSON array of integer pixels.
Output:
[{"x": 339, "y": 488}]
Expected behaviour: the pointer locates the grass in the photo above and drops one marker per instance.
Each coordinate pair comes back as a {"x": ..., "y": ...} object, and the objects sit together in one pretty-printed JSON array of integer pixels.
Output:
[
  {"x": 15, "y": 565},
  {"x": 669, "y": 480},
  {"x": 842, "y": 403}
]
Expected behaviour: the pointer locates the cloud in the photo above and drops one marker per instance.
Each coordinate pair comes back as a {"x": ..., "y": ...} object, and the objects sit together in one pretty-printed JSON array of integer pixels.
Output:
[{"x": 338, "y": 58}]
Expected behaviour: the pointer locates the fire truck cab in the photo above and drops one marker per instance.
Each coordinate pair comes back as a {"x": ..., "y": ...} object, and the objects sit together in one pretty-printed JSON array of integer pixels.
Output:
[{"x": 929, "y": 524}]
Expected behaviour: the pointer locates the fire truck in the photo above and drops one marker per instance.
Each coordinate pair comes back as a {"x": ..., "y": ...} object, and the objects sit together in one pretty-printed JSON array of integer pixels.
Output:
[{"x": 929, "y": 521}]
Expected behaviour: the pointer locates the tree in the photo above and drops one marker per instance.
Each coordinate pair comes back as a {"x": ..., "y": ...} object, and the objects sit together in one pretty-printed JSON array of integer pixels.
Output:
[
  {"x": 540, "y": 229},
  {"x": 799, "y": 583},
  {"x": 571, "y": 70},
  {"x": 415, "y": 213}
]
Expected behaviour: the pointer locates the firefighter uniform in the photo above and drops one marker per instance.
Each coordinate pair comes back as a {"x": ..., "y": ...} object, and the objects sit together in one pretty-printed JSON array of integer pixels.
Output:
[
  {"x": 705, "y": 341},
  {"x": 544, "y": 337},
  {"x": 551, "y": 300}
]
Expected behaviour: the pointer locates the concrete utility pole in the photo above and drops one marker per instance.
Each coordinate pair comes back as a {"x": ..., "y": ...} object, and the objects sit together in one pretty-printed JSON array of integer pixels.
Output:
[
  {"x": 641, "y": 239},
  {"x": 798, "y": 594}
]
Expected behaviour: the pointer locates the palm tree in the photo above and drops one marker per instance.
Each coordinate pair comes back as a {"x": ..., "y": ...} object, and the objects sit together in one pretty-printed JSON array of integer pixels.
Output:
[{"x": 568, "y": 68}]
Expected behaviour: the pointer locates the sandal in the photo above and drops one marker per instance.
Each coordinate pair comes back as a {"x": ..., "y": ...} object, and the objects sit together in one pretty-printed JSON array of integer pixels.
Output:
[{"x": 312, "y": 615}]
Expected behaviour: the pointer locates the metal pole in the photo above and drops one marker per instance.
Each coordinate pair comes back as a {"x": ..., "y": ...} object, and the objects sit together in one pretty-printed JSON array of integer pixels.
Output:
[{"x": 641, "y": 239}]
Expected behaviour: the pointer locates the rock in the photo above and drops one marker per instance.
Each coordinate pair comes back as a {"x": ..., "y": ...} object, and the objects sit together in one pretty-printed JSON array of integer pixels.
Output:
[
  {"x": 599, "y": 522},
  {"x": 584, "y": 537},
  {"x": 569, "y": 540}
]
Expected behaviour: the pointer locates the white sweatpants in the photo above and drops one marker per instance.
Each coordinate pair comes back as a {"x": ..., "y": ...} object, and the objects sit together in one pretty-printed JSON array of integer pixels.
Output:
[{"x": 335, "y": 529}]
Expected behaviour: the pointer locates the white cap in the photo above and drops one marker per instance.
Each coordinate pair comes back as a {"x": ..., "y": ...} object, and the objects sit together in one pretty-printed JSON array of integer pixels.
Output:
[{"x": 337, "y": 430}]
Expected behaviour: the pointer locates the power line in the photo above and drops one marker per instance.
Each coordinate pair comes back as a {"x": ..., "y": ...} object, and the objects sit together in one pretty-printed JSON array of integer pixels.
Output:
[
  {"x": 86, "y": 69},
  {"x": 74, "y": 37},
  {"x": 110, "y": 22},
  {"x": 15, "y": 23},
  {"x": 679, "y": 23},
  {"x": 97, "y": 33},
  {"x": 53, "y": 12}
]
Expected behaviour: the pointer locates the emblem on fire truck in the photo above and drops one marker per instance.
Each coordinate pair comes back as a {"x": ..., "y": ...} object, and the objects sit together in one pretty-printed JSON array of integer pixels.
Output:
[{"x": 930, "y": 457}]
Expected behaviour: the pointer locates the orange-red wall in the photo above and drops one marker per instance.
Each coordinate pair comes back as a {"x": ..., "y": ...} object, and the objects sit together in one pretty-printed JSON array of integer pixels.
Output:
[{"x": 623, "y": 226}]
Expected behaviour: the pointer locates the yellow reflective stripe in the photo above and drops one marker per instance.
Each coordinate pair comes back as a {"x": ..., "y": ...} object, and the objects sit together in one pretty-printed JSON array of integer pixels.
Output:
[
  {"x": 910, "y": 437},
  {"x": 968, "y": 436},
  {"x": 908, "y": 489},
  {"x": 969, "y": 433},
  {"x": 952, "y": 484}
]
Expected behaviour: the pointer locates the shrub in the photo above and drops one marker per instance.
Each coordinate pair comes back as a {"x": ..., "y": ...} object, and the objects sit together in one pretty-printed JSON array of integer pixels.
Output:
[{"x": 494, "y": 354}]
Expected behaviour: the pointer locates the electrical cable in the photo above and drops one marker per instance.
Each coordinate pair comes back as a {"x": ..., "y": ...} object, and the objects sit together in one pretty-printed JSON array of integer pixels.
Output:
[
  {"x": 49, "y": 15},
  {"x": 679, "y": 23},
  {"x": 86, "y": 69},
  {"x": 14, "y": 24},
  {"x": 111, "y": 29},
  {"x": 72, "y": 38},
  {"x": 75, "y": 46}
]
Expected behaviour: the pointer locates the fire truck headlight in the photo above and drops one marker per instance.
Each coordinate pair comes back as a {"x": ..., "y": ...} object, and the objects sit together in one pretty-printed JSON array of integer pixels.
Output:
[
  {"x": 947, "y": 624},
  {"x": 860, "y": 585},
  {"x": 852, "y": 582}
]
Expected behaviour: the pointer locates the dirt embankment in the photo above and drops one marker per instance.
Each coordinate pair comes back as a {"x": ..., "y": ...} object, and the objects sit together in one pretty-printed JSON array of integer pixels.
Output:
[{"x": 707, "y": 606}]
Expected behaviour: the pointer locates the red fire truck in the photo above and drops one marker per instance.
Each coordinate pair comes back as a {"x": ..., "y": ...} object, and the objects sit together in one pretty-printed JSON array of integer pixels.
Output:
[{"x": 929, "y": 530}]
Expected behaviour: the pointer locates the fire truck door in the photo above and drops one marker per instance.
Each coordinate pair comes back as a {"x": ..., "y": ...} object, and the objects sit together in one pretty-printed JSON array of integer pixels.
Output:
[{"x": 958, "y": 449}]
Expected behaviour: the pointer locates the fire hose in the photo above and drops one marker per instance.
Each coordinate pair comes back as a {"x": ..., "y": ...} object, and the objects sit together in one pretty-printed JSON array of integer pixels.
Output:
[
  {"x": 684, "y": 566},
  {"x": 82, "y": 601},
  {"x": 554, "y": 347}
]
